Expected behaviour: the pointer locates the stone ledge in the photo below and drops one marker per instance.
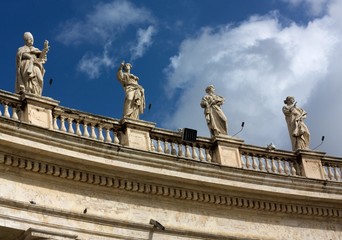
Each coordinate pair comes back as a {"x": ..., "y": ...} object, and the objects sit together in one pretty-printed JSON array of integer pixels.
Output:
[
  {"x": 37, "y": 234},
  {"x": 93, "y": 153},
  {"x": 122, "y": 183},
  {"x": 138, "y": 228}
]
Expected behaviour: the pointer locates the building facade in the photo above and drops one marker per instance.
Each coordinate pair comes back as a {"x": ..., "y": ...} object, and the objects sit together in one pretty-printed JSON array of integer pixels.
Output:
[{"x": 67, "y": 174}]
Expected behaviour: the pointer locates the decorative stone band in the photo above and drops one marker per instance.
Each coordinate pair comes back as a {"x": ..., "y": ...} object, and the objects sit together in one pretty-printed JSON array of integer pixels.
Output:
[
  {"x": 32, "y": 234},
  {"x": 165, "y": 191},
  {"x": 332, "y": 169}
]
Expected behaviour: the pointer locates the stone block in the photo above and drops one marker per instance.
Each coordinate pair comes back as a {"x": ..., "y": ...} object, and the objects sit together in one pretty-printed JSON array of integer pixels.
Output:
[
  {"x": 37, "y": 110},
  {"x": 136, "y": 134}
]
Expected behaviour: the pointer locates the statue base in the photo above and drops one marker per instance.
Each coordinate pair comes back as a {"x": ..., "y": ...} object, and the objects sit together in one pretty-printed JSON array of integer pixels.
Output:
[{"x": 37, "y": 110}]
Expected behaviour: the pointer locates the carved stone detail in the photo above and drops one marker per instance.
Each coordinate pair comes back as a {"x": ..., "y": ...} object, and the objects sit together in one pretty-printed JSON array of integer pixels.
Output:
[{"x": 166, "y": 191}]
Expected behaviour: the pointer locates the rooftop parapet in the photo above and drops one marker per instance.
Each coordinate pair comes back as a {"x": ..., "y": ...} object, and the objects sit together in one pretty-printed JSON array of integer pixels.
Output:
[{"x": 142, "y": 135}]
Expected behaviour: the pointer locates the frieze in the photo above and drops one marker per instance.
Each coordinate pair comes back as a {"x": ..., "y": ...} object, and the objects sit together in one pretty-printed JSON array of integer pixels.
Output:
[{"x": 165, "y": 191}]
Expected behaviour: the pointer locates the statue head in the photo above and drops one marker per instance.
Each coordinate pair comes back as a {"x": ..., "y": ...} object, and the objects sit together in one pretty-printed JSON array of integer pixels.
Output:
[
  {"x": 289, "y": 100},
  {"x": 128, "y": 67},
  {"x": 28, "y": 38},
  {"x": 210, "y": 89}
]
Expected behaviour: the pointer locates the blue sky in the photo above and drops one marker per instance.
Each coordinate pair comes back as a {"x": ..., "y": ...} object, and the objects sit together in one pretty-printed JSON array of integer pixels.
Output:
[{"x": 255, "y": 52}]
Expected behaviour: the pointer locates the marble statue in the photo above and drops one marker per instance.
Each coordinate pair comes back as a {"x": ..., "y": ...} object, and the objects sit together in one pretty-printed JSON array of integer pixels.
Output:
[
  {"x": 30, "y": 70},
  {"x": 214, "y": 116},
  {"x": 135, "y": 99},
  {"x": 299, "y": 132}
]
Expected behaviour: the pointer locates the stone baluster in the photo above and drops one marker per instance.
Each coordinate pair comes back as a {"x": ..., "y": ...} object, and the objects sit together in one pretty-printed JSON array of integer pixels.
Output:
[
  {"x": 248, "y": 163},
  {"x": 85, "y": 130},
  {"x": 280, "y": 167},
  {"x": 93, "y": 133},
  {"x": 159, "y": 147},
  {"x": 14, "y": 113},
  {"x": 337, "y": 174},
  {"x": 63, "y": 128},
  {"x": 254, "y": 160},
  {"x": 78, "y": 129},
  {"x": 108, "y": 137},
  {"x": 274, "y": 166},
  {"x": 173, "y": 149},
  {"x": 293, "y": 169},
  {"x": 153, "y": 148},
  {"x": 268, "y": 164},
  {"x": 325, "y": 171},
  {"x": 55, "y": 125},
  {"x": 101, "y": 137},
  {"x": 187, "y": 151},
  {"x": 70, "y": 127},
  {"x": 201, "y": 156},
  {"x": 243, "y": 163},
  {"x": 116, "y": 138},
  {"x": 180, "y": 150},
  {"x": 6, "y": 112},
  {"x": 208, "y": 155},
  {"x": 166, "y": 147},
  {"x": 330, "y": 173},
  {"x": 0, "y": 109},
  {"x": 194, "y": 153},
  {"x": 298, "y": 169},
  {"x": 287, "y": 167},
  {"x": 262, "y": 164}
]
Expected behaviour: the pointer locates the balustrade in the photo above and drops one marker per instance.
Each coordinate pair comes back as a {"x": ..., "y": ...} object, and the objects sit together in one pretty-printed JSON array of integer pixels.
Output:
[
  {"x": 171, "y": 143},
  {"x": 265, "y": 161},
  {"x": 86, "y": 125},
  {"x": 332, "y": 169},
  {"x": 9, "y": 105},
  {"x": 104, "y": 129}
]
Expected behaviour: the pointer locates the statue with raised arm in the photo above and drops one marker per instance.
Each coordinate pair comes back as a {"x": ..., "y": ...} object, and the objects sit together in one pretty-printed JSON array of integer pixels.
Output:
[
  {"x": 214, "y": 116},
  {"x": 135, "y": 99},
  {"x": 30, "y": 70},
  {"x": 299, "y": 132}
]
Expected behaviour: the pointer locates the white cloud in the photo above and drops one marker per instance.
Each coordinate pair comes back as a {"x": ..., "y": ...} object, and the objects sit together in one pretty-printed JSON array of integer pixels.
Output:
[
  {"x": 106, "y": 22},
  {"x": 103, "y": 22},
  {"x": 144, "y": 40},
  {"x": 254, "y": 66},
  {"x": 92, "y": 65}
]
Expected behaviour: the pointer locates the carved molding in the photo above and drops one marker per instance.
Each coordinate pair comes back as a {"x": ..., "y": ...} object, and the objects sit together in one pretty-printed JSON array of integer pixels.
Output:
[
  {"x": 36, "y": 234},
  {"x": 165, "y": 191}
]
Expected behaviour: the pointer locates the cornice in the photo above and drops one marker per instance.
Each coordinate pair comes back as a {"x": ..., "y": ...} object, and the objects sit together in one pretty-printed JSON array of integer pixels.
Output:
[
  {"x": 162, "y": 190},
  {"x": 192, "y": 171}
]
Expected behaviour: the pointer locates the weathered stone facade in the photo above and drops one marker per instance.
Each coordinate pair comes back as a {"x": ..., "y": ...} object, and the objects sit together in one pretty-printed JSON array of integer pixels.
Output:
[{"x": 87, "y": 177}]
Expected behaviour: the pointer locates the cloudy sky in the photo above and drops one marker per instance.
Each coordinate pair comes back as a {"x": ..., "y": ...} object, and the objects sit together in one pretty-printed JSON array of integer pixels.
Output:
[{"x": 255, "y": 53}]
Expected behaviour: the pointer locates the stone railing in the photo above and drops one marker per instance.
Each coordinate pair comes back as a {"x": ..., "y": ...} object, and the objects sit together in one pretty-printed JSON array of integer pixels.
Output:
[
  {"x": 171, "y": 143},
  {"x": 9, "y": 105},
  {"x": 140, "y": 135},
  {"x": 332, "y": 168},
  {"x": 86, "y": 125},
  {"x": 270, "y": 161}
]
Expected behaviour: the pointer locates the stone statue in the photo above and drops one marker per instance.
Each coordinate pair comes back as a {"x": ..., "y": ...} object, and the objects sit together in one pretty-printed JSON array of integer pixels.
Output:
[
  {"x": 135, "y": 99},
  {"x": 216, "y": 120},
  {"x": 30, "y": 70},
  {"x": 299, "y": 132}
]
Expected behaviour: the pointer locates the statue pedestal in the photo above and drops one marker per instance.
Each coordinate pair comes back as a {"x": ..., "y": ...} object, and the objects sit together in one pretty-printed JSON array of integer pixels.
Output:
[
  {"x": 311, "y": 163},
  {"x": 136, "y": 134},
  {"x": 37, "y": 110},
  {"x": 227, "y": 151}
]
